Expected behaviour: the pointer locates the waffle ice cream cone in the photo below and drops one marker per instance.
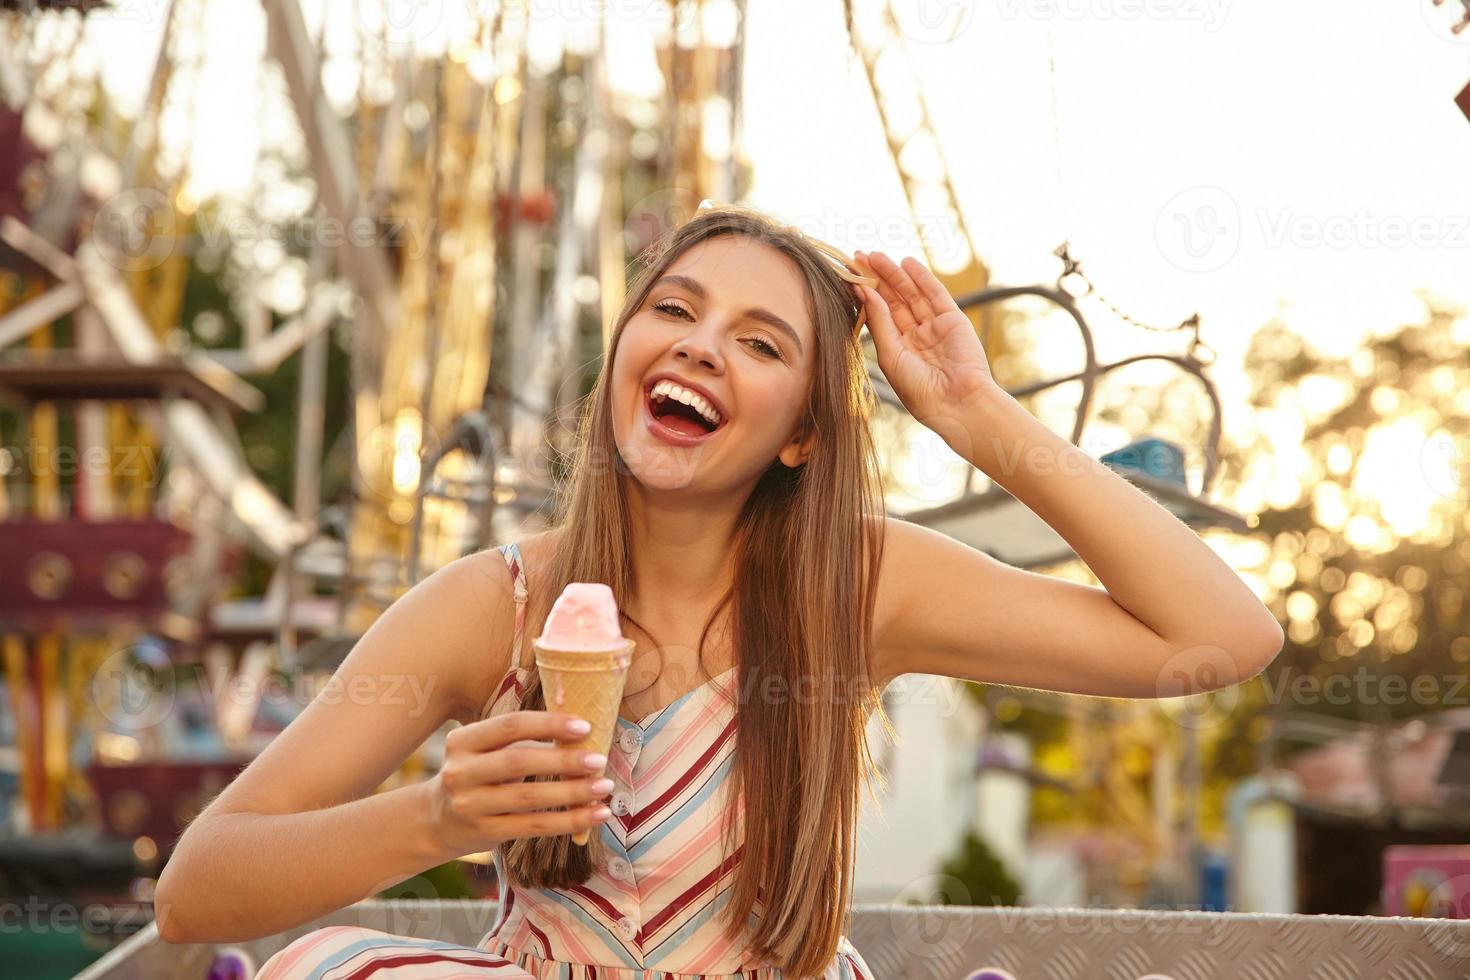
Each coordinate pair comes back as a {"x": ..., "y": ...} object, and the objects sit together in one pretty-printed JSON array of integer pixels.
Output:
[{"x": 583, "y": 659}]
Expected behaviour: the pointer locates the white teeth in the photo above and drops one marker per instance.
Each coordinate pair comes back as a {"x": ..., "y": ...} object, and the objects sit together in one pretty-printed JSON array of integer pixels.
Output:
[{"x": 667, "y": 389}]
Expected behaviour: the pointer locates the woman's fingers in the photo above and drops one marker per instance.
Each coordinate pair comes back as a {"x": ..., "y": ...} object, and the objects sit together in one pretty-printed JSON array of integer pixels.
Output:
[
  {"x": 549, "y": 823},
  {"x": 886, "y": 337},
  {"x": 929, "y": 285},
  {"x": 902, "y": 284},
  {"x": 513, "y": 726},
  {"x": 521, "y": 760},
  {"x": 898, "y": 308},
  {"x": 526, "y": 797}
]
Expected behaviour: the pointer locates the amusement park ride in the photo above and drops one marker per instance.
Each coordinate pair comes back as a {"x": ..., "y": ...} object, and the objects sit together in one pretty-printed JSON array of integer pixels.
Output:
[{"x": 535, "y": 185}]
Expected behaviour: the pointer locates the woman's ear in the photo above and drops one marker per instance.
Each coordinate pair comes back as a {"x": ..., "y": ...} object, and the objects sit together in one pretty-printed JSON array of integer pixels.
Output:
[{"x": 795, "y": 452}]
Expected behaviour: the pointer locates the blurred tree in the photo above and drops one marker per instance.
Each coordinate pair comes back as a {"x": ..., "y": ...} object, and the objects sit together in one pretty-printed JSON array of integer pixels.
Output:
[
  {"x": 984, "y": 879},
  {"x": 1358, "y": 469},
  {"x": 439, "y": 883}
]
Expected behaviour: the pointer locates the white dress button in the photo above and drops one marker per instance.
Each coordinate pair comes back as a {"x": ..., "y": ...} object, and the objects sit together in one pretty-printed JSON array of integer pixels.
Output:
[
  {"x": 620, "y": 869},
  {"x": 622, "y": 803},
  {"x": 630, "y": 740},
  {"x": 627, "y": 928}
]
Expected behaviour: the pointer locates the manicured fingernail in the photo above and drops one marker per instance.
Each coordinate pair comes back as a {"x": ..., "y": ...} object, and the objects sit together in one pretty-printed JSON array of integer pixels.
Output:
[
  {"x": 602, "y": 786},
  {"x": 601, "y": 813},
  {"x": 579, "y": 726},
  {"x": 594, "y": 760}
]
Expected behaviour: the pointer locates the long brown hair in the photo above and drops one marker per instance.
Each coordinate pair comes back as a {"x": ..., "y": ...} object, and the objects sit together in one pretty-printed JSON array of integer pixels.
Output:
[{"x": 806, "y": 552}]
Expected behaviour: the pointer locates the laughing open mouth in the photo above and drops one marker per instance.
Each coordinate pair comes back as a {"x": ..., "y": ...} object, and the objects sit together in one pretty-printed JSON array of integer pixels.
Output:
[{"x": 683, "y": 411}]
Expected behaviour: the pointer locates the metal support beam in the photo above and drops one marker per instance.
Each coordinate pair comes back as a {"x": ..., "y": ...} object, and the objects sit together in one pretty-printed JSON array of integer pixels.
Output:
[{"x": 364, "y": 263}]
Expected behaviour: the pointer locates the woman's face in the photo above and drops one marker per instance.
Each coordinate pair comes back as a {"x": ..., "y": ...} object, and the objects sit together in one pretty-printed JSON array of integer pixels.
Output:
[{"x": 715, "y": 320}]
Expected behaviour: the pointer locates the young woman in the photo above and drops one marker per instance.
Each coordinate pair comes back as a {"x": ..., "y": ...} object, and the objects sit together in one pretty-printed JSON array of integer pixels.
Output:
[{"x": 725, "y": 487}]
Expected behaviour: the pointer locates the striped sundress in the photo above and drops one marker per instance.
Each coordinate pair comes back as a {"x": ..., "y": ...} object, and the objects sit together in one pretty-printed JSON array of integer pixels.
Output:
[{"x": 649, "y": 912}]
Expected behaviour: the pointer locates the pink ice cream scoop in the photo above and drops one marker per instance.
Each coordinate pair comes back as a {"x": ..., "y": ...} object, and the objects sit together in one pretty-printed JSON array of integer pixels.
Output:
[
  {"x": 584, "y": 617},
  {"x": 583, "y": 660}
]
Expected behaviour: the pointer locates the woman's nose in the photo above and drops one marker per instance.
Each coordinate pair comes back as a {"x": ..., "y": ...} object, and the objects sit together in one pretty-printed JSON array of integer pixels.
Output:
[{"x": 702, "y": 346}]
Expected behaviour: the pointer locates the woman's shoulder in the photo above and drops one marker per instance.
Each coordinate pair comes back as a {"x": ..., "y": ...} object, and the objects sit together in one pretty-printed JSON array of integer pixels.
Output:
[
  {"x": 534, "y": 552},
  {"x": 497, "y": 593}
]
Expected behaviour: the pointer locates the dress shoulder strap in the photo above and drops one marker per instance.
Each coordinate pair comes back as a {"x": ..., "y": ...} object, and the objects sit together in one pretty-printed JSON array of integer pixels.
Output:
[{"x": 512, "y": 554}]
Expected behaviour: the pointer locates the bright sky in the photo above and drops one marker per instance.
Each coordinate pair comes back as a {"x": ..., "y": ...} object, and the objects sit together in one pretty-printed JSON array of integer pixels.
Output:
[
  {"x": 1238, "y": 160},
  {"x": 1309, "y": 133}
]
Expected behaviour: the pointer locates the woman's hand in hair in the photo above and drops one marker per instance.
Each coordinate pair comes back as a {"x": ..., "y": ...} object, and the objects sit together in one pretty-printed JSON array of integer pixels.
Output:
[
  {"x": 482, "y": 797},
  {"x": 927, "y": 346}
]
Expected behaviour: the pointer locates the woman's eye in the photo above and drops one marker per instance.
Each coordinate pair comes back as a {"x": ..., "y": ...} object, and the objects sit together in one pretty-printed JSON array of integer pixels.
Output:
[
  {"x": 766, "y": 346},
  {"x": 668, "y": 307}
]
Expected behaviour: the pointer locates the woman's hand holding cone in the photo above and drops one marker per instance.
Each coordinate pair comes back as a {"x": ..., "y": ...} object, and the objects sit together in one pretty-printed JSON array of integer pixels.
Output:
[{"x": 481, "y": 796}]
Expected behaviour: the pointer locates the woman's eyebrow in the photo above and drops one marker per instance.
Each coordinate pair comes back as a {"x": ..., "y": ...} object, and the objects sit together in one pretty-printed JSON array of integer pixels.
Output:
[{"x": 754, "y": 313}]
